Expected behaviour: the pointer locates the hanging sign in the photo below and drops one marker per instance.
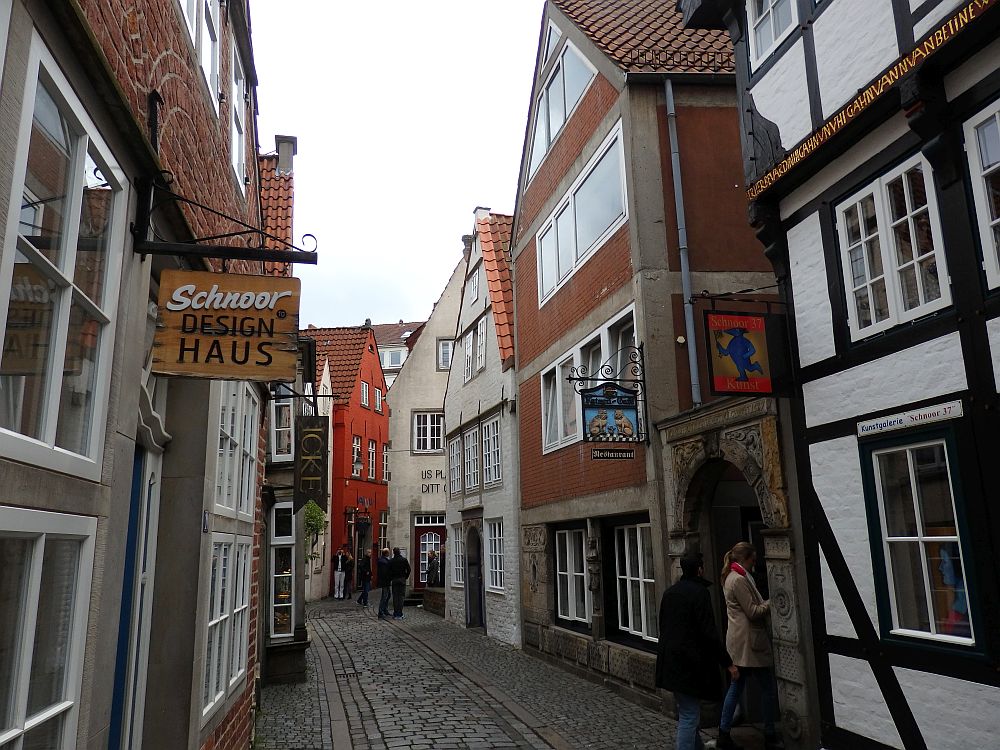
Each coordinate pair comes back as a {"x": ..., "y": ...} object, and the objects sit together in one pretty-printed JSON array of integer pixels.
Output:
[
  {"x": 227, "y": 326},
  {"x": 610, "y": 414},
  {"x": 738, "y": 360},
  {"x": 311, "y": 450},
  {"x": 912, "y": 418}
]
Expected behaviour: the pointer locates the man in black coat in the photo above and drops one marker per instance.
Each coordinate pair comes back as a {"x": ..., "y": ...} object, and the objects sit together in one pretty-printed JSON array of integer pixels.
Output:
[
  {"x": 399, "y": 571},
  {"x": 690, "y": 652},
  {"x": 384, "y": 581}
]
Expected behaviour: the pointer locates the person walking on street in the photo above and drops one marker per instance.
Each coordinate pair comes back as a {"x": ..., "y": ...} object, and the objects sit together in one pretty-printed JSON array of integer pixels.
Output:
[
  {"x": 749, "y": 643},
  {"x": 433, "y": 569},
  {"x": 365, "y": 576},
  {"x": 349, "y": 576},
  {"x": 690, "y": 652},
  {"x": 399, "y": 571},
  {"x": 339, "y": 569},
  {"x": 384, "y": 579}
]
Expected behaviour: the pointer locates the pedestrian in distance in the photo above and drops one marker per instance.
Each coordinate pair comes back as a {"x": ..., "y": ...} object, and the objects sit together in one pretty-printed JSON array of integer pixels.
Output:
[
  {"x": 749, "y": 643},
  {"x": 365, "y": 577},
  {"x": 349, "y": 576},
  {"x": 690, "y": 653},
  {"x": 399, "y": 572},
  {"x": 433, "y": 569},
  {"x": 384, "y": 580},
  {"x": 339, "y": 573}
]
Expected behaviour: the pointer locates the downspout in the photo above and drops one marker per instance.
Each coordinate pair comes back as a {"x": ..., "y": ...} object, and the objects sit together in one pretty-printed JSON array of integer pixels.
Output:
[{"x": 675, "y": 171}]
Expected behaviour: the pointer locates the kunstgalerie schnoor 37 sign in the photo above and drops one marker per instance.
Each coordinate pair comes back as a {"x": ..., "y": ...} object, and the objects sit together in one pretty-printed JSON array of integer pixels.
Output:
[{"x": 227, "y": 326}]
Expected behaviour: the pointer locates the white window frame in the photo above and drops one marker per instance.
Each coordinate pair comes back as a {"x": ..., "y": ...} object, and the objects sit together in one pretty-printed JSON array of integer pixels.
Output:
[
  {"x": 209, "y": 24},
  {"x": 385, "y": 462},
  {"x": 541, "y": 103},
  {"x": 474, "y": 285},
  {"x": 372, "y": 458},
  {"x": 626, "y": 578},
  {"x": 378, "y": 399},
  {"x": 282, "y": 542},
  {"x": 990, "y": 245},
  {"x": 219, "y": 610},
  {"x": 446, "y": 350},
  {"x": 282, "y": 402},
  {"x": 240, "y": 622},
  {"x": 236, "y": 470},
  {"x": 494, "y": 555},
  {"x": 553, "y": 35},
  {"x": 364, "y": 393},
  {"x": 434, "y": 432},
  {"x": 457, "y": 556},
  {"x": 568, "y": 203},
  {"x": 429, "y": 519},
  {"x": 920, "y": 539},
  {"x": 481, "y": 343},
  {"x": 468, "y": 356},
  {"x": 355, "y": 455},
  {"x": 897, "y": 314},
  {"x": 455, "y": 465},
  {"x": 576, "y": 357},
  {"x": 566, "y": 579},
  {"x": 757, "y": 56},
  {"x": 470, "y": 463},
  {"x": 238, "y": 95},
  {"x": 490, "y": 430},
  {"x": 383, "y": 530},
  {"x": 43, "y": 451},
  {"x": 37, "y": 525}
]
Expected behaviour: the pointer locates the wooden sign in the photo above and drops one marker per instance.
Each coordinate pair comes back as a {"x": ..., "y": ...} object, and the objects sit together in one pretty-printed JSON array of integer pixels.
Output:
[
  {"x": 227, "y": 326},
  {"x": 738, "y": 359},
  {"x": 311, "y": 461}
]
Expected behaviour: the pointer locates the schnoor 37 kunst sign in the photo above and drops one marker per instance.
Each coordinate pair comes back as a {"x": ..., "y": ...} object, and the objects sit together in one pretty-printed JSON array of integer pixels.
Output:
[{"x": 227, "y": 326}]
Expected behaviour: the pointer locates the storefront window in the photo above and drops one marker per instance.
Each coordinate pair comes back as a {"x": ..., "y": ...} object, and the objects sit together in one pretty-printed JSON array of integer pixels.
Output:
[
  {"x": 636, "y": 586},
  {"x": 572, "y": 595},
  {"x": 282, "y": 569}
]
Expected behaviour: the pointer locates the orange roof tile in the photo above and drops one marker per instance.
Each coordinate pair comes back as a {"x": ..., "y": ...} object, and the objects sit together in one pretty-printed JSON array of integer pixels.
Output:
[
  {"x": 343, "y": 348},
  {"x": 277, "y": 197},
  {"x": 494, "y": 239},
  {"x": 649, "y": 36}
]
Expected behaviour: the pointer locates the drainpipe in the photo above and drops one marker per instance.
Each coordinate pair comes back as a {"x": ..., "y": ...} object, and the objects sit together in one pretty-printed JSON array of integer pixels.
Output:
[{"x": 675, "y": 169}]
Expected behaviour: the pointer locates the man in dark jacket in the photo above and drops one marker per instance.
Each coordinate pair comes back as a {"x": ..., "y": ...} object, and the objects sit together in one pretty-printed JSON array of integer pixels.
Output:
[
  {"x": 399, "y": 571},
  {"x": 365, "y": 577},
  {"x": 690, "y": 652},
  {"x": 383, "y": 581}
]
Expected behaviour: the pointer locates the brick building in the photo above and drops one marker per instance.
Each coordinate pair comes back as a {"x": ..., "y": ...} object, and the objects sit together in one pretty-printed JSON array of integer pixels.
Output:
[
  {"x": 352, "y": 391},
  {"x": 130, "y": 528},
  {"x": 601, "y": 275}
]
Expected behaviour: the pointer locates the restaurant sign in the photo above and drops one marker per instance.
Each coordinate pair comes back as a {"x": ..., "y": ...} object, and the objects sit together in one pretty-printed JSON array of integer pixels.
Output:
[
  {"x": 610, "y": 414},
  {"x": 738, "y": 355},
  {"x": 311, "y": 451},
  {"x": 227, "y": 326}
]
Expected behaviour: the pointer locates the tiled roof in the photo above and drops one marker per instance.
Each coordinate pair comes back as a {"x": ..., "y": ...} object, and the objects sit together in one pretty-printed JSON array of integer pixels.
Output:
[
  {"x": 277, "y": 196},
  {"x": 391, "y": 334},
  {"x": 649, "y": 36},
  {"x": 494, "y": 239},
  {"x": 343, "y": 348}
]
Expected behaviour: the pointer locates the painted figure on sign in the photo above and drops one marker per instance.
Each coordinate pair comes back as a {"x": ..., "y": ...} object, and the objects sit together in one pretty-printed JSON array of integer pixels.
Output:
[
  {"x": 624, "y": 424},
  {"x": 739, "y": 349},
  {"x": 599, "y": 423}
]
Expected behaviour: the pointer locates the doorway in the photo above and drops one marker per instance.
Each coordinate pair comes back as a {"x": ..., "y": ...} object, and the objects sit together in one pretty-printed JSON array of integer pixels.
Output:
[
  {"x": 425, "y": 540},
  {"x": 476, "y": 617}
]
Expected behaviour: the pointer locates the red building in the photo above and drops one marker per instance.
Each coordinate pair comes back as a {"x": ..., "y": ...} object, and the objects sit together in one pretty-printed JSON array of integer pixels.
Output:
[{"x": 351, "y": 388}]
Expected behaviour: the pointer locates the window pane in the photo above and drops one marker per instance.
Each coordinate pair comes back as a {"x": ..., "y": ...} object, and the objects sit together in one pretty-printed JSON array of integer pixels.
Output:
[
  {"x": 782, "y": 12},
  {"x": 908, "y": 287},
  {"x": 651, "y": 628},
  {"x": 28, "y": 341},
  {"x": 539, "y": 143},
  {"x": 282, "y": 522},
  {"x": 556, "y": 104},
  {"x": 951, "y": 607},
  {"x": 48, "y": 177},
  {"x": 924, "y": 237},
  {"x": 881, "y": 299},
  {"x": 763, "y": 35},
  {"x": 15, "y": 562},
  {"x": 918, "y": 192},
  {"x": 647, "y": 551},
  {"x": 631, "y": 534},
  {"x": 95, "y": 231},
  {"x": 568, "y": 395},
  {"x": 934, "y": 490},
  {"x": 897, "y": 494},
  {"x": 908, "y": 582},
  {"x": 282, "y": 624},
  {"x": 45, "y": 736},
  {"x": 868, "y": 215},
  {"x": 577, "y": 76},
  {"x": 551, "y": 408},
  {"x": 55, "y": 621},
  {"x": 577, "y": 544},
  {"x": 76, "y": 402},
  {"x": 904, "y": 245},
  {"x": 564, "y": 594},
  {"x": 282, "y": 589},
  {"x": 547, "y": 249},
  {"x": 988, "y": 135},
  {"x": 566, "y": 240},
  {"x": 620, "y": 549},
  {"x": 282, "y": 560},
  {"x": 864, "y": 308},
  {"x": 580, "y": 596},
  {"x": 561, "y": 564},
  {"x": 635, "y": 623},
  {"x": 897, "y": 199},
  {"x": 599, "y": 200},
  {"x": 874, "y": 252},
  {"x": 853, "y": 224},
  {"x": 929, "y": 279}
]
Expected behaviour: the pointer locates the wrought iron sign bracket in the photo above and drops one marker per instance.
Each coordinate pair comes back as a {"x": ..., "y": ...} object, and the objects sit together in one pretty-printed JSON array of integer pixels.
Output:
[
  {"x": 623, "y": 377},
  {"x": 286, "y": 252}
]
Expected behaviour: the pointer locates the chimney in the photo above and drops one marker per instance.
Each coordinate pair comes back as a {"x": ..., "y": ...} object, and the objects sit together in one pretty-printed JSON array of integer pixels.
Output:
[
  {"x": 368, "y": 322},
  {"x": 482, "y": 213},
  {"x": 467, "y": 240},
  {"x": 288, "y": 146}
]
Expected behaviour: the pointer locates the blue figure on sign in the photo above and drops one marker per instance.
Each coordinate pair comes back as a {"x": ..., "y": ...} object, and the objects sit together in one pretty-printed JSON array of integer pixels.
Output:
[{"x": 739, "y": 349}]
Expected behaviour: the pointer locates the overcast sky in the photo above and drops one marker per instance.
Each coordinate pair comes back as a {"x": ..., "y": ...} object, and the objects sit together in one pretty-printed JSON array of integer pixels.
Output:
[{"x": 408, "y": 115}]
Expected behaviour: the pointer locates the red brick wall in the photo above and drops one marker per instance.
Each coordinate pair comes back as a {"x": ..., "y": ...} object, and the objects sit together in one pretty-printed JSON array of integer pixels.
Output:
[
  {"x": 570, "y": 471},
  {"x": 596, "y": 103},
  {"x": 233, "y": 733},
  {"x": 609, "y": 269}
]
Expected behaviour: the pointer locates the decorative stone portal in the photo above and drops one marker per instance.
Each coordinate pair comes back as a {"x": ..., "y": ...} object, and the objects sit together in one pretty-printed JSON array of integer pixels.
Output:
[{"x": 728, "y": 484}]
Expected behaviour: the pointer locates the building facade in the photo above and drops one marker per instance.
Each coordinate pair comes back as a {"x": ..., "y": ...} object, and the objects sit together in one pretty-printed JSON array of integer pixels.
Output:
[
  {"x": 871, "y": 165},
  {"x": 482, "y": 570},
  {"x": 602, "y": 269},
  {"x": 418, "y": 491},
  {"x": 392, "y": 346}
]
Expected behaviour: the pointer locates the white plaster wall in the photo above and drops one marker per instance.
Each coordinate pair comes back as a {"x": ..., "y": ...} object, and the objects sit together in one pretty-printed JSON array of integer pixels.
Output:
[
  {"x": 972, "y": 71},
  {"x": 931, "y": 20},
  {"x": 838, "y": 622},
  {"x": 836, "y": 473},
  {"x": 858, "y": 705},
  {"x": 813, "y": 313},
  {"x": 971, "y": 720},
  {"x": 780, "y": 96},
  {"x": 929, "y": 369},
  {"x": 849, "y": 54}
]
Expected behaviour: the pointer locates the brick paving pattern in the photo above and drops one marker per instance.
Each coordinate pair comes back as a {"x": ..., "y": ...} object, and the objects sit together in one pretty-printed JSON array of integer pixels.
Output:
[{"x": 424, "y": 684}]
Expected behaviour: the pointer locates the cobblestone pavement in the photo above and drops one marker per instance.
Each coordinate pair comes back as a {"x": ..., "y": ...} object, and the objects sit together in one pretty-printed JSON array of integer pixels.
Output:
[{"x": 423, "y": 684}]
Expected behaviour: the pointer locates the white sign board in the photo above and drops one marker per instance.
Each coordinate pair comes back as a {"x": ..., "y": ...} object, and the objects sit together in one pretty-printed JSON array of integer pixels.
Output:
[{"x": 913, "y": 418}]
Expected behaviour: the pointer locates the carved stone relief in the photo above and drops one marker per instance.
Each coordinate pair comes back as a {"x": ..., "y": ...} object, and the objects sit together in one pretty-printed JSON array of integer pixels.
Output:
[{"x": 534, "y": 538}]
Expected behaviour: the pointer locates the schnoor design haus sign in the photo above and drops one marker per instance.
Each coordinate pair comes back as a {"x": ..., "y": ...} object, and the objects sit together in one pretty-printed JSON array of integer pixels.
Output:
[{"x": 227, "y": 326}]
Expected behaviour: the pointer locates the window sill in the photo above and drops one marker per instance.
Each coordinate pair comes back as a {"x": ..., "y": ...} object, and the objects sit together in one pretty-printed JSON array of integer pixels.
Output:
[
  {"x": 492, "y": 590},
  {"x": 546, "y": 449}
]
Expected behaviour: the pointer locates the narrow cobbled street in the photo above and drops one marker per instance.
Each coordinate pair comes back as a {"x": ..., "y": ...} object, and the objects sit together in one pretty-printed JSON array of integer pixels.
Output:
[{"x": 424, "y": 683}]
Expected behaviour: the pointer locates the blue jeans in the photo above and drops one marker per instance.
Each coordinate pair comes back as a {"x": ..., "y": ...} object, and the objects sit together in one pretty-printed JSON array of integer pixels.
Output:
[
  {"x": 768, "y": 697},
  {"x": 366, "y": 586},
  {"x": 688, "y": 719},
  {"x": 383, "y": 602}
]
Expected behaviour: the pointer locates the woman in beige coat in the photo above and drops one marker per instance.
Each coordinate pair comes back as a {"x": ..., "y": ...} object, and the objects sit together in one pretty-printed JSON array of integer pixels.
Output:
[{"x": 748, "y": 642}]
